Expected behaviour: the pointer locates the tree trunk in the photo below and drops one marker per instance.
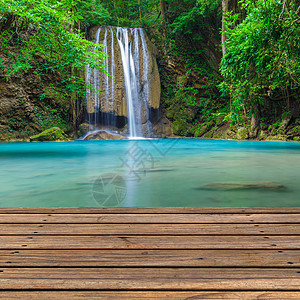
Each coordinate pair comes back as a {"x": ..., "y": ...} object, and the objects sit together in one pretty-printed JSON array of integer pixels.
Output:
[
  {"x": 74, "y": 104},
  {"x": 140, "y": 11},
  {"x": 255, "y": 121},
  {"x": 163, "y": 12},
  {"x": 224, "y": 11}
]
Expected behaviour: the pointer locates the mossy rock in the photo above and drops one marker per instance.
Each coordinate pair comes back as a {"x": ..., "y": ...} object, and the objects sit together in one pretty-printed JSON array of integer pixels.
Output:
[
  {"x": 286, "y": 119},
  {"x": 83, "y": 129},
  {"x": 229, "y": 134},
  {"x": 296, "y": 138},
  {"x": 293, "y": 132},
  {"x": 253, "y": 133},
  {"x": 208, "y": 135},
  {"x": 220, "y": 120},
  {"x": 180, "y": 128},
  {"x": 218, "y": 135},
  {"x": 50, "y": 135},
  {"x": 242, "y": 133},
  {"x": 276, "y": 138},
  {"x": 201, "y": 130},
  {"x": 262, "y": 135}
]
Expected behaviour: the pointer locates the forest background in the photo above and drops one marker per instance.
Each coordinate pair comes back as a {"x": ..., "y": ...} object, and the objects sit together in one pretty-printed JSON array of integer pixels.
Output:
[{"x": 229, "y": 69}]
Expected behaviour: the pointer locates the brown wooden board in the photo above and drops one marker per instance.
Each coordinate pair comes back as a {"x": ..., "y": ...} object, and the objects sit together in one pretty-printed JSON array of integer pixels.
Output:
[
  {"x": 150, "y": 278},
  {"x": 150, "y": 253},
  {"x": 148, "y": 218},
  {"x": 150, "y": 229},
  {"x": 150, "y": 295},
  {"x": 150, "y": 258},
  {"x": 150, "y": 242}
]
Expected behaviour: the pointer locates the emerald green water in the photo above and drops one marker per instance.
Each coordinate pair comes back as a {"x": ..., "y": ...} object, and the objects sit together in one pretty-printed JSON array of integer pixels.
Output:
[{"x": 148, "y": 173}]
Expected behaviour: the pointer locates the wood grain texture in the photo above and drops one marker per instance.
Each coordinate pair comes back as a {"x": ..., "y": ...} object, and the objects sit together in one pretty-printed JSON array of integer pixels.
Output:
[
  {"x": 150, "y": 278},
  {"x": 150, "y": 253},
  {"x": 150, "y": 229},
  {"x": 150, "y": 242},
  {"x": 150, "y": 258},
  {"x": 148, "y": 218},
  {"x": 150, "y": 295}
]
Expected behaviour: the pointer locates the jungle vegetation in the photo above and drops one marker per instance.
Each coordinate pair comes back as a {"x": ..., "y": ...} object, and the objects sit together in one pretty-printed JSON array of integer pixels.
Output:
[{"x": 230, "y": 60}]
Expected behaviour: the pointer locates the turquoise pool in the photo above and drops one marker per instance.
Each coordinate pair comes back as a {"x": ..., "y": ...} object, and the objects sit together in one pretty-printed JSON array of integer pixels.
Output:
[{"x": 150, "y": 173}]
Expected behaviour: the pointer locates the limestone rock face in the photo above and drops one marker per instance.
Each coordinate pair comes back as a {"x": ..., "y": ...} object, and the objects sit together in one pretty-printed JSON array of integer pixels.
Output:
[
  {"x": 155, "y": 86},
  {"x": 117, "y": 100},
  {"x": 114, "y": 100},
  {"x": 26, "y": 101},
  {"x": 163, "y": 128}
]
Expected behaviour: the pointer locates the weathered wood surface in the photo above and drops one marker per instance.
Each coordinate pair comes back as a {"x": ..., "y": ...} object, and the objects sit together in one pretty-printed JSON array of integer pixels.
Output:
[
  {"x": 150, "y": 295},
  {"x": 150, "y": 258},
  {"x": 149, "y": 229},
  {"x": 150, "y": 242},
  {"x": 150, "y": 253},
  {"x": 149, "y": 218},
  {"x": 154, "y": 278}
]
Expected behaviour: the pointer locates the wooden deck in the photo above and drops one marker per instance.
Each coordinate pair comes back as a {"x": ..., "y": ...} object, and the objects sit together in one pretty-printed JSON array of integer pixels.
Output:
[{"x": 150, "y": 253}]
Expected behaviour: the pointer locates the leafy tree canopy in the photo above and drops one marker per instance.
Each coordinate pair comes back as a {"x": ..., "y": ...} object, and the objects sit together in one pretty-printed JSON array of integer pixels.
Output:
[
  {"x": 262, "y": 59},
  {"x": 47, "y": 29}
]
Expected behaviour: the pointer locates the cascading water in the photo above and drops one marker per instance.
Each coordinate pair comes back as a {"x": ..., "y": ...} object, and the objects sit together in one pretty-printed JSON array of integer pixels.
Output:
[
  {"x": 125, "y": 86},
  {"x": 129, "y": 78}
]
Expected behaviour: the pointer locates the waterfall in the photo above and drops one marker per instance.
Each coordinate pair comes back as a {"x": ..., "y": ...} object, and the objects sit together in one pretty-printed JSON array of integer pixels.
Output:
[
  {"x": 124, "y": 87},
  {"x": 129, "y": 78},
  {"x": 145, "y": 92},
  {"x": 92, "y": 79},
  {"x": 112, "y": 72}
]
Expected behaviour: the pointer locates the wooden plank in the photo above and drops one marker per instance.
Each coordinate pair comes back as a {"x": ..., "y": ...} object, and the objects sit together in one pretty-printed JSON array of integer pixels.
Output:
[
  {"x": 151, "y": 295},
  {"x": 150, "y": 229},
  {"x": 149, "y": 210},
  {"x": 149, "y": 242},
  {"x": 150, "y": 258},
  {"x": 147, "y": 218},
  {"x": 150, "y": 278}
]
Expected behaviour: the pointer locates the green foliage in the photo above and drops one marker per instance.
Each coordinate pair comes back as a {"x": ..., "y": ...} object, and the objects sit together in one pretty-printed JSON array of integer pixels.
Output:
[
  {"x": 261, "y": 64},
  {"x": 49, "y": 117},
  {"x": 187, "y": 94},
  {"x": 262, "y": 61},
  {"x": 194, "y": 15},
  {"x": 46, "y": 30},
  {"x": 93, "y": 12},
  {"x": 2, "y": 64}
]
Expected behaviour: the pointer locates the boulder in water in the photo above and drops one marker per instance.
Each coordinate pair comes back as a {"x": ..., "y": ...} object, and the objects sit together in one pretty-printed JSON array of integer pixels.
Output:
[
  {"x": 50, "y": 135},
  {"x": 231, "y": 186},
  {"x": 103, "y": 135}
]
